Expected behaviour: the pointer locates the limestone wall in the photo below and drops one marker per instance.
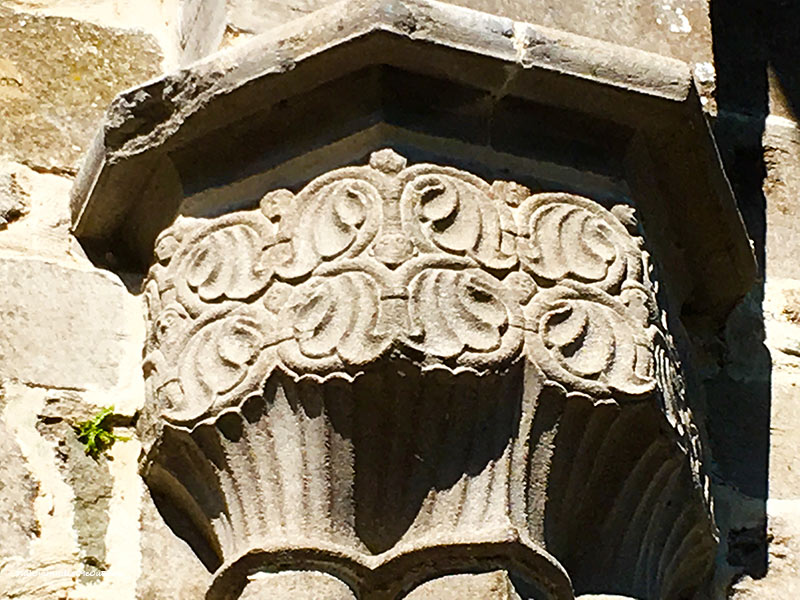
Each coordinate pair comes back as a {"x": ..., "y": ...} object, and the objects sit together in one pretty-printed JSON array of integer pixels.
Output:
[{"x": 71, "y": 333}]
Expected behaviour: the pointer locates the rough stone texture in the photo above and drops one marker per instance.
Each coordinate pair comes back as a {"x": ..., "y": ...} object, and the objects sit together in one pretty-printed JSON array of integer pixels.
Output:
[
  {"x": 782, "y": 316},
  {"x": 509, "y": 78},
  {"x": 48, "y": 130},
  {"x": 44, "y": 230},
  {"x": 88, "y": 477},
  {"x": 49, "y": 564},
  {"x": 14, "y": 201},
  {"x": 57, "y": 76},
  {"x": 677, "y": 28},
  {"x": 496, "y": 585},
  {"x": 782, "y": 188},
  {"x": 18, "y": 490},
  {"x": 169, "y": 568},
  {"x": 785, "y": 446},
  {"x": 153, "y": 17},
  {"x": 296, "y": 584},
  {"x": 64, "y": 327}
]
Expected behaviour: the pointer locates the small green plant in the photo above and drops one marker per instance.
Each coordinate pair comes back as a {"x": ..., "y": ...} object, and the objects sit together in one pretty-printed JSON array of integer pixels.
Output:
[{"x": 97, "y": 434}]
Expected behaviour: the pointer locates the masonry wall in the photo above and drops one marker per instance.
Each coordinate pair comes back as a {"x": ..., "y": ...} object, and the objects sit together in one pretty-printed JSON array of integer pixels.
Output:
[{"x": 71, "y": 333}]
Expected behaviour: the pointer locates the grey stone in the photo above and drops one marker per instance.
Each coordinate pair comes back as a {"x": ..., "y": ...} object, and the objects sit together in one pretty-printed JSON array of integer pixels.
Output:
[
  {"x": 296, "y": 584},
  {"x": 18, "y": 490},
  {"x": 63, "y": 326},
  {"x": 91, "y": 483},
  {"x": 496, "y": 585},
  {"x": 401, "y": 370},
  {"x": 782, "y": 161},
  {"x": 677, "y": 28},
  {"x": 169, "y": 567},
  {"x": 14, "y": 202}
]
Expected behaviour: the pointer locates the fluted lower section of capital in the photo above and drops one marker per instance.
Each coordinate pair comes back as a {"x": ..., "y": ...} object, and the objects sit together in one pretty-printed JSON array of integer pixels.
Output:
[{"x": 369, "y": 472}]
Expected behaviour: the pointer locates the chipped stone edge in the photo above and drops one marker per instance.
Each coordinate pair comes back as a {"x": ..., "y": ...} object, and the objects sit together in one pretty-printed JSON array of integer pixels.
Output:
[{"x": 183, "y": 93}]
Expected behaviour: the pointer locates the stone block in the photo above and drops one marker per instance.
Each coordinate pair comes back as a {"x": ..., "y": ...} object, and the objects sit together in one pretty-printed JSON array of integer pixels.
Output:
[
  {"x": 782, "y": 191},
  {"x": 37, "y": 214},
  {"x": 288, "y": 585},
  {"x": 496, "y": 585},
  {"x": 13, "y": 196},
  {"x": 65, "y": 327},
  {"x": 676, "y": 28},
  {"x": 57, "y": 75},
  {"x": 153, "y": 17},
  {"x": 782, "y": 322},
  {"x": 785, "y": 436},
  {"x": 18, "y": 490},
  {"x": 169, "y": 567}
]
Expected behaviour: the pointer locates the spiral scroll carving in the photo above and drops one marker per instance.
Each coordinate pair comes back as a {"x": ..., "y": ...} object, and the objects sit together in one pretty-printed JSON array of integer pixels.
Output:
[{"x": 425, "y": 263}]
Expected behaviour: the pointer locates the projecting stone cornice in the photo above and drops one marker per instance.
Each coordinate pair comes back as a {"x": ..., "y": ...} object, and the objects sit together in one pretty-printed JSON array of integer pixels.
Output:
[{"x": 436, "y": 81}]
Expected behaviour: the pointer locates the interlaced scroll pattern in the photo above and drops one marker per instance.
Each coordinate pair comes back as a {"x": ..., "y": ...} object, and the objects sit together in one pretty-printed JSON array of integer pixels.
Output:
[{"x": 424, "y": 263}]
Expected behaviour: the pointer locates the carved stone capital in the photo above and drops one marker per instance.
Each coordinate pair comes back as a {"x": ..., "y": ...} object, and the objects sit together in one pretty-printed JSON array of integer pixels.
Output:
[{"x": 402, "y": 373}]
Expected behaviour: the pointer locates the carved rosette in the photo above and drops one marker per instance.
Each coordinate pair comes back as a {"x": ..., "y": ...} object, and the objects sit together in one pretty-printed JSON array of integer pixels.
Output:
[{"x": 375, "y": 271}]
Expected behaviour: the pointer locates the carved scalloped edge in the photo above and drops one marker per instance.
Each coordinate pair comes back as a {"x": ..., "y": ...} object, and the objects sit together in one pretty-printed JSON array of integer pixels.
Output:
[{"x": 398, "y": 573}]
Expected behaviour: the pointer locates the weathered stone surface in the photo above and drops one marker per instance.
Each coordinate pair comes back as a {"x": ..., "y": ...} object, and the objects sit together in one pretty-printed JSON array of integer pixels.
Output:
[
  {"x": 89, "y": 477},
  {"x": 65, "y": 327},
  {"x": 14, "y": 201},
  {"x": 785, "y": 438},
  {"x": 49, "y": 565},
  {"x": 156, "y": 137},
  {"x": 677, "y": 28},
  {"x": 496, "y": 585},
  {"x": 782, "y": 322},
  {"x": 44, "y": 230},
  {"x": 18, "y": 490},
  {"x": 296, "y": 584},
  {"x": 153, "y": 17},
  {"x": 169, "y": 568},
  {"x": 782, "y": 159},
  {"x": 57, "y": 76}
]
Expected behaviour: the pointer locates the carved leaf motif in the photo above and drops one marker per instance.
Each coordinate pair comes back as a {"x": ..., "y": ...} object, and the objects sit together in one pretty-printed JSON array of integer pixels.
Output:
[
  {"x": 459, "y": 217},
  {"x": 571, "y": 238},
  {"x": 456, "y": 311},
  {"x": 337, "y": 316},
  {"x": 583, "y": 338},
  {"x": 340, "y": 218},
  {"x": 168, "y": 331},
  {"x": 218, "y": 358},
  {"x": 423, "y": 258},
  {"x": 570, "y": 242},
  {"x": 227, "y": 263}
]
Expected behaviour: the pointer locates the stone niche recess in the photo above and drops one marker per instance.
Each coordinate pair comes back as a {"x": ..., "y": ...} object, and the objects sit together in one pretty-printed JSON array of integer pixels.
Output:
[{"x": 422, "y": 288}]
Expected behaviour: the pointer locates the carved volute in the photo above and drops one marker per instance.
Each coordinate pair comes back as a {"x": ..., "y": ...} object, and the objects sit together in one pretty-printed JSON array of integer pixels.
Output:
[{"x": 406, "y": 382}]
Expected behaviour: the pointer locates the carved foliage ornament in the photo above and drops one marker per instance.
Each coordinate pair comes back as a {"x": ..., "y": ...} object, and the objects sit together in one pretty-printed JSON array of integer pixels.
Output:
[{"x": 424, "y": 263}]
